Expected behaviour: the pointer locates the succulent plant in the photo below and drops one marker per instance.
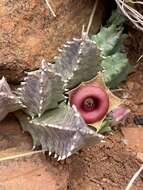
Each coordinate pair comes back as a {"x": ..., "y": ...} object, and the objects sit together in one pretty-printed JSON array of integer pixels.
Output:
[
  {"x": 9, "y": 102},
  {"x": 94, "y": 101},
  {"x": 79, "y": 61},
  {"x": 61, "y": 131},
  {"x": 111, "y": 36},
  {"x": 41, "y": 90},
  {"x": 109, "y": 40},
  {"x": 116, "y": 72},
  {"x": 67, "y": 103}
]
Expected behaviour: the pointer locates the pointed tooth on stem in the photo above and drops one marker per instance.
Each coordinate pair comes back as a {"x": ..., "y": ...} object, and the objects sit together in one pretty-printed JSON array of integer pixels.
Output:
[
  {"x": 70, "y": 42},
  {"x": 23, "y": 106},
  {"x": 82, "y": 43},
  {"x": 50, "y": 153},
  {"x": 11, "y": 97},
  {"x": 60, "y": 50},
  {"x": 80, "y": 52},
  {"x": 39, "y": 114},
  {"x": 76, "y": 39},
  {"x": 23, "y": 83},
  {"x": 69, "y": 78},
  {"x": 50, "y": 70},
  {"x": 69, "y": 154},
  {"x": 59, "y": 158},
  {"x": 41, "y": 80},
  {"x": 40, "y": 108},
  {"x": 20, "y": 89},
  {"x": 72, "y": 147},
  {"x": 40, "y": 91},
  {"x": 33, "y": 148},
  {"x": 29, "y": 73},
  {"x": 58, "y": 74},
  {"x": 42, "y": 73},
  {"x": 41, "y": 102},
  {"x": 56, "y": 57},
  {"x": 43, "y": 64},
  {"x": 63, "y": 157},
  {"x": 78, "y": 61},
  {"x": 66, "y": 46},
  {"x": 25, "y": 78},
  {"x": 49, "y": 64}
]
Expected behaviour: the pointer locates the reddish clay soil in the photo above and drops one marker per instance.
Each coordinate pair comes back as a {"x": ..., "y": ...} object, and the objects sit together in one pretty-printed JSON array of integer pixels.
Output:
[{"x": 107, "y": 166}]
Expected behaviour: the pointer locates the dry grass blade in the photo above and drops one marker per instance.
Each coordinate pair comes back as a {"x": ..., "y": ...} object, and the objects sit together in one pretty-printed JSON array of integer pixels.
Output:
[
  {"x": 131, "y": 13},
  {"x": 20, "y": 155},
  {"x": 49, "y": 6},
  {"x": 91, "y": 16},
  {"x": 139, "y": 58},
  {"x": 85, "y": 33},
  {"x": 134, "y": 178}
]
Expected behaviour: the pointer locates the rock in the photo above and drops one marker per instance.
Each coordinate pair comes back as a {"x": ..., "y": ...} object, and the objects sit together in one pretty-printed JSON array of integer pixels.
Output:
[
  {"x": 134, "y": 138},
  {"x": 29, "y": 32}
]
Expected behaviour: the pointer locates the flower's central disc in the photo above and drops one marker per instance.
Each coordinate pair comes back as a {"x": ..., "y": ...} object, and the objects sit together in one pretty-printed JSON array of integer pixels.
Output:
[{"x": 90, "y": 104}]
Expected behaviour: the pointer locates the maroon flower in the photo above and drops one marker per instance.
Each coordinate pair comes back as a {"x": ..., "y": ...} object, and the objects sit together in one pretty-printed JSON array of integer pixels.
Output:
[
  {"x": 91, "y": 101},
  {"x": 94, "y": 101}
]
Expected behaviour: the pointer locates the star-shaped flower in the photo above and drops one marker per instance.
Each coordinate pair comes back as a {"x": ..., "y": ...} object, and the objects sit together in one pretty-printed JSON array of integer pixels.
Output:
[{"x": 94, "y": 100}]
